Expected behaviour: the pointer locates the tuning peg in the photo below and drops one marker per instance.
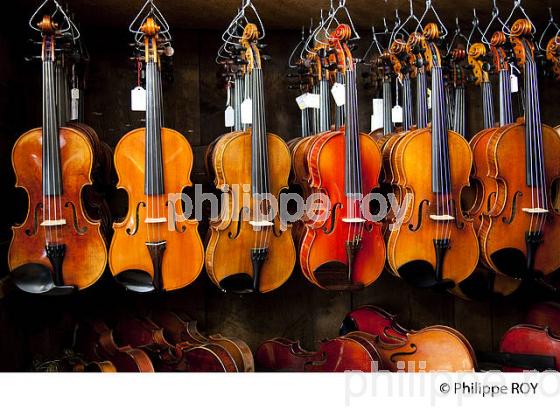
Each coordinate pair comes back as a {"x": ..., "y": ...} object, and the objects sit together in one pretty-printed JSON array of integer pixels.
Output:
[
  {"x": 31, "y": 58},
  {"x": 261, "y": 46},
  {"x": 266, "y": 57},
  {"x": 488, "y": 67}
]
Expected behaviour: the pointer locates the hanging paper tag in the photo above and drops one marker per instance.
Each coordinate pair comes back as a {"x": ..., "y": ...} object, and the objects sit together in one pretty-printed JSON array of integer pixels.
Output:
[
  {"x": 514, "y": 84},
  {"x": 247, "y": 111},
  {"x": 397, "y": 114},
  {"x": 429, "y": 94},
  {"x": 75, "y": 104},
  {"x": 377, "y": 117},
  {"x": 313, "y": 100},
  {"x": 138, "y": 99},
  {"x": 338, "y": 93},
  {"x": 302, "y": 102},
  {"x": 229, "y": 116}
]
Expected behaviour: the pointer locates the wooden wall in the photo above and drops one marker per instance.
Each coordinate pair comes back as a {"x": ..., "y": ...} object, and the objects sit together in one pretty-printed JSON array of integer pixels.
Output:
[{"x": 33, "y": 327}]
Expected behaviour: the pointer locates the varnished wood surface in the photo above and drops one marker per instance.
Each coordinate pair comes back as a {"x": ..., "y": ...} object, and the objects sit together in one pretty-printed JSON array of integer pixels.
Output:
[{"x": 85, "y": 255}]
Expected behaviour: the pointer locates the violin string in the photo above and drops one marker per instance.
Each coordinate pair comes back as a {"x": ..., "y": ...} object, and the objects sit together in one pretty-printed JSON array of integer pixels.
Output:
[
  {"x": 46, "y": 140},
  {"x": 57, "y": 177},
  {"x": 159, "y": 144},
  {"x": 264, "y": 154}
]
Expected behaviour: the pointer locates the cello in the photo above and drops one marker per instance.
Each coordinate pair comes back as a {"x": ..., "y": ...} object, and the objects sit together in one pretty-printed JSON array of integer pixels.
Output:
[
  {"x": 345, "y": 251},
  {"x": 152, "y": 250},
  {"x": 517, "y": 235},
  {"x": 57, "y": 249},
  {"x": 248, "y": 251},
  {"x": 435, "y": 247}
]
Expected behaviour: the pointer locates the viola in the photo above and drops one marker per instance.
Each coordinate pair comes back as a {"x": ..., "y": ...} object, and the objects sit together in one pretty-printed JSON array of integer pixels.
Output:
[
  {"x": 281, "y": 354},
  {"x": 344, "y": 252},
  {"x": 57, "y": 249},
  {"x": 528, "y": 347},
  {"x": 517, "y": 234},
  {"x": 248, "y": 249},
  {"x": 436, "y": 246},
  {"x": 149, "y": 252}
]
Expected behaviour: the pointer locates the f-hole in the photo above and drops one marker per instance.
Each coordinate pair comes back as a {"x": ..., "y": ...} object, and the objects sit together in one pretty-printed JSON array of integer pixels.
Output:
[
  {"x": 394, "y": 356},
  {"x": 332, "y": 219},
  {"x": 459, "y": 225},
  {"x": 491, "y": 199},
  {"x": 132, "y": 232},
  {"x": 174, "y": 217},
  {"x": 33, "y": 231},
  {"x": 232, "y": 235},
  {"x": 79, "y": 231},
  {"x": 423, "y": 203},
  {"x": 513, "y": 208}
]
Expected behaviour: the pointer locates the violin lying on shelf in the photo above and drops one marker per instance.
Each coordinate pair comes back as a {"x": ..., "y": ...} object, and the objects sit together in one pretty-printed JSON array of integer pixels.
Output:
[{"x": 58, "y": 249}]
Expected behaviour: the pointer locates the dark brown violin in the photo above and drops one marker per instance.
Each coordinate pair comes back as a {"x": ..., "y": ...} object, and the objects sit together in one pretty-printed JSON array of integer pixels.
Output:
[
  {"x": 546, "y": 314},
  {"x": 57, "y": 249},
  {"x": 285, "y": 355}
]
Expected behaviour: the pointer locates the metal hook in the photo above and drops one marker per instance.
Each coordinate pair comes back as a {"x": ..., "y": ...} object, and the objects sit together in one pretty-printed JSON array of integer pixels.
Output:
[
  {"x": 429, "y": 7},
  {"x": 475, "y": 27},
  {"x": 552, "y": 23},
  {"x": 517, "y": 5},
  {"x": 458, "y": 34}
]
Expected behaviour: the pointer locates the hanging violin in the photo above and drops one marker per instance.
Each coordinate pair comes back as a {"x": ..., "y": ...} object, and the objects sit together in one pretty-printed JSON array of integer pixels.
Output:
[
  {"x": 435, "y": 246},
  {"x": 151, "y": 249},
  {"x": 248, "y": 251},
  {"x": 58, "y": 248},
  {"x": 345, "y": 251},
  {"x": 518, "y": 234}
]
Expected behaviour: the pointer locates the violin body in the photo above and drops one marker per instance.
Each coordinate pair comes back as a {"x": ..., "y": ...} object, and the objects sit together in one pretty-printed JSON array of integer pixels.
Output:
[
  {"x": 533, "y": 341},
  {"x": 546, "y": 315},
  {"x": 84, "y": 255},
  {"x": 232, "y": 237},
  {"x": 504, "y": 230},
  {"x": 184, "y": 253},
  {"x": 375, "y": 321},
  {"x": 411, "y": 251},
  {"x": 323, "y": 255},
  {"x": 281, "y": 354}
]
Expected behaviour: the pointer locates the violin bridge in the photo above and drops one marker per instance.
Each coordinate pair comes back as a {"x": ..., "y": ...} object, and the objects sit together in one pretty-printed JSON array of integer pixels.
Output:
[
  {"x": 535, "y": 210},
  {"x": 442, "y": 218},
  {"x": 53, "y": 222},
  {"x": 354, "y": 220},
  {"x": 261, "y": 224},
  {"x": 155, "y": 220}
]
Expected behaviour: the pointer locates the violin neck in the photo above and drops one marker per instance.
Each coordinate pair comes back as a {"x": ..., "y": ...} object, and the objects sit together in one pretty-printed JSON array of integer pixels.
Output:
[
  {"x": 259, "y": 152},
  {"x": 407, "y": 103},
  {"x": 421, "y": 100},
  {"x": 324, "y": 108},
  {"x": 440, "y": 149},
  {"x": 387, "y": 106},
  {"x": 339, "y": 112},
  {"x": 535, "y": 171},
  {"x": 52, "y": 175},
  {"x": 352, "y": 163},
  {"x": 487, "y": 104},
  {"x": 238, "y": 89},
  {"x": 154, "y": 122},
  {"x": 459, "y": 117},
  {"x": 506, "y": 110},
  {"x": 61, "y": 93}
]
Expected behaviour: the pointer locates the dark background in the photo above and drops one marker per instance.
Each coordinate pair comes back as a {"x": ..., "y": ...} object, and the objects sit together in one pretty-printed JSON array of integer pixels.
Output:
[{"x": 35, "y": 327}]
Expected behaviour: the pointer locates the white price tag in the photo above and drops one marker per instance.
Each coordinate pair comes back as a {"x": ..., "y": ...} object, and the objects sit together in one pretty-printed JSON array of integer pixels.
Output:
[
  {"x": 339, "y": 94},
  {"x": 75, "y": 93},
  {"x": 229, "y": 116},
  {"x": 429, "y": 94},
  {"x": 377, "y": 117},
  {"x": 514, "y": 84},
  {"x": 74, "y": 104},
  {"x": 313, "y": 100},
  {"x": 247, "y": 111},
  {"x": 302, "y": 102},
  {"x": 138, "y": 99},
  {"x": 397, "y": 114}
]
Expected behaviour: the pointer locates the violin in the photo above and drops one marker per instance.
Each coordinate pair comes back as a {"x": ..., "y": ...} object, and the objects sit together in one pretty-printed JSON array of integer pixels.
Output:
[
  {"x": 517, "y": 234},
  {"x": 528, "y": 347},
  {"x": 58, "y": 249},
  {"x": 483, "y": 187},
  {"x": 458, "y": 57},
  {"x": 153, "y": 250},
  {"x": 436, "y": 246},
  {"x": 281, "y": 354},
  {"x": 547, "y": 315},
  {"x": 385, "y": 68},
  {"x": 375, "y": 321},
  {"x": 95, "y": 341},
  {"x": 345, "y": 252},
  {"x": 247, "y": 250},
  {"x": 553, "y": 55}
]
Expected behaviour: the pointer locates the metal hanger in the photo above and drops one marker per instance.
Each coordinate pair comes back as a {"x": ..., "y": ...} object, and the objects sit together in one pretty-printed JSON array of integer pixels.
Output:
[
  {"x": 495, "y": 17},
  {"x": 475, "y": 28},
  {"x": 411, "y": 17},
  {"x": 456, "y": 35},
  {"x": 517, "y": 5},
  {"x": 149, "y": 9},
  {"x": 551, "y": 23},
  {"x": 69, "y": 26},
  {"x": 430, "y": 7}
]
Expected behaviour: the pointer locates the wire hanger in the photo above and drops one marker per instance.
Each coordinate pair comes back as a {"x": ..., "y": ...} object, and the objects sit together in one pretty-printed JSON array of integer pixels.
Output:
[
  {"x": 430, "y": 7},
  {"x": 495, "y": 17},
  {"x": 241, "y": 19},
  {"x": 551, "y": 23},
  {"x": 396, "y": 27},
  {"x": 291, "y": 64},
  {"x": 456, "y": 35},
  {"x": 149, "y": 9},
  {"x": 69, "y": 25},
  {"x": 411, "y": 17},
  {"x": 517, "y": 5},
  {"x": 333, "y": 18},
  {"x": 475, "y": 28}
]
